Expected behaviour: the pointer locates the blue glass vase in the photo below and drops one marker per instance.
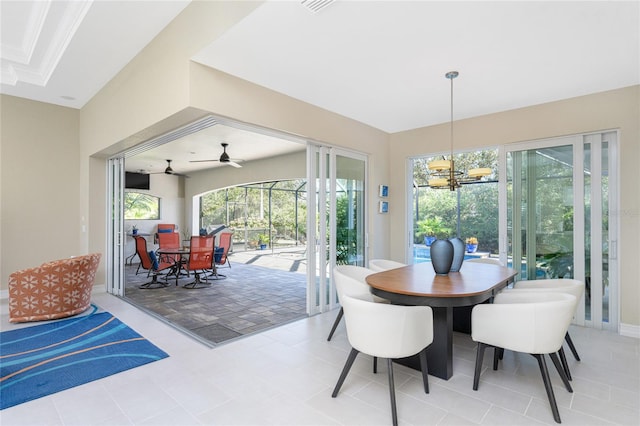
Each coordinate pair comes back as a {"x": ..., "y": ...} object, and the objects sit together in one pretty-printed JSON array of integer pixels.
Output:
[
  {"x": 441, "y": 256},
  {"x": 428, "y": 240},
  {"x": 458, "y": 254}
]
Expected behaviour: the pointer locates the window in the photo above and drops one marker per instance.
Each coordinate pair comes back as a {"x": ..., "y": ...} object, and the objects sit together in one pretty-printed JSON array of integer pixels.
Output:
[
  {"x": 469, "y": 212},
  {"x": 141, "y": 206}
]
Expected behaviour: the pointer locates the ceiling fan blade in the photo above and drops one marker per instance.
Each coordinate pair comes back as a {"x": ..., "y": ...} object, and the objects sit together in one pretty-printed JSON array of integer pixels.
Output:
[
  {"x": 234, "y": 164},
  {"x": 201, "y": 161}
]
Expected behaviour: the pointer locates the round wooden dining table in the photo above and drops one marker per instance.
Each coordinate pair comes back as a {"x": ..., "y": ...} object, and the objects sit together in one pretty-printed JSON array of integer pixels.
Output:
[{"x": 419, "y": 285}]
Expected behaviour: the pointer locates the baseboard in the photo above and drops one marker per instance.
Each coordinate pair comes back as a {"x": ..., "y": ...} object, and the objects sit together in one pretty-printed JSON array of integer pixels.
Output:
[{"x": 630, "y": 330}]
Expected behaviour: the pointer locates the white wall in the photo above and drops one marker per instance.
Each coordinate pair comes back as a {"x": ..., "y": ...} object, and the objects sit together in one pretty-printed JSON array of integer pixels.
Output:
[
  {"x": 40, "y": 217},
  {"x": 170, "y": 190}
]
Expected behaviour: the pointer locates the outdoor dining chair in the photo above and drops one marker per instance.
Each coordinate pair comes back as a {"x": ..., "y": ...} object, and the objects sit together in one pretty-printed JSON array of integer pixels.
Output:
[
  {"x": 153, "y": 266},
  {"x": 200, "y": 258}
]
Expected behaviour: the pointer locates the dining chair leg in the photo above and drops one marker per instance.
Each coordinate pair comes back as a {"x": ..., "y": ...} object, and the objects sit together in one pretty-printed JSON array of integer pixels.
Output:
[
  {"x": 153, "y": 284},
  {"x": 563, "y": 361},
  {"x": 347, "y": 366},
  {"x": 335, "y": 323},
  {"x": 547, "y": 385},
  {"x": 425, "y": 369},
  {"x": 392, "y": 392},
  {"x": 561, "y": 372},
  {"x": 496, "y": 357},
  {"x": 572, "y": 346},
  {"x": 479, "y": 359}
]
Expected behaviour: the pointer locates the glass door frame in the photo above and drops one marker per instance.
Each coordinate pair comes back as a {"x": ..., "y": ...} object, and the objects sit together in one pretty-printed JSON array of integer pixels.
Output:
[
  {"x": 578, "y": 192},
  {"x": 115, "y": 227},
  {"x": 322, "y": 176}
]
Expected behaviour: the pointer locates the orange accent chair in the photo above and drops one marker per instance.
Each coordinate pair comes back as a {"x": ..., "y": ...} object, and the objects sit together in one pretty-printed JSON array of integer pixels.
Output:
[
  {"x": 57, "y": 289},
  {"x": 200, "y": 259},
  {"x": 163, "y": 228},
  {"x": 220, "y": 258},
  {"x": 170, "y": 226},
  {"x": 147, "y": 263},
  {"x": 170, "y": 240},
  {"x": 225, "y": 243}
]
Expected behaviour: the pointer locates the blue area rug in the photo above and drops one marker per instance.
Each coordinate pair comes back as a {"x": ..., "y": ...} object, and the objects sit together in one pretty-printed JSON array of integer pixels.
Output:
[{"x": 43, "y": 359}]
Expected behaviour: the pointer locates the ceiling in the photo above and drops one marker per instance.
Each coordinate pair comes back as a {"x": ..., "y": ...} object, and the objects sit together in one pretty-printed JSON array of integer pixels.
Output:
[
  {"x": 378, "y": 62},
  {"x": 244, "y": 147}
]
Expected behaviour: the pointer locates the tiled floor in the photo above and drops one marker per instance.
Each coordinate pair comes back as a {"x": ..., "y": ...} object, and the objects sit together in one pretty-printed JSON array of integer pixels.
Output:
[
  {"x": 258, "y": 293},
  {"x": 285, "y": 376}
]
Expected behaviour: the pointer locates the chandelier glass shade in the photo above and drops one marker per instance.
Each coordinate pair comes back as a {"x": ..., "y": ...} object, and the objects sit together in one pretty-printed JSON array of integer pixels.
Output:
[{"x": 443, "y": 174}]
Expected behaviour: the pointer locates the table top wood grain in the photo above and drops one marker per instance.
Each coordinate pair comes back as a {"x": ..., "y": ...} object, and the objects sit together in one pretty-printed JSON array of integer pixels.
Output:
[{"x": 420, "y": 280}]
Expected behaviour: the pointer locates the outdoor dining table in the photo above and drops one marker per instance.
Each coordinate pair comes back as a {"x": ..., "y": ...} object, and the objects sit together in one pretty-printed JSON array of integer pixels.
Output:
[
  {"x": 182, "y": 253},
  {"x": 419, "y": 285}
]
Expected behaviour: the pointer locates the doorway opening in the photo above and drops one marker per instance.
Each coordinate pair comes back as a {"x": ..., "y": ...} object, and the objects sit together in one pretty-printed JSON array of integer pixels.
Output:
[{"x": 180, "y": 206}]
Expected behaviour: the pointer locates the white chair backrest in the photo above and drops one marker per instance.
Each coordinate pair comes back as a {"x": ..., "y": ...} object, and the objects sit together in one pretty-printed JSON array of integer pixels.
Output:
[
  {"x": 559, "y": 285},
  {"x": 524, "y": 321},
  {"x": 380, "y": 265},
  {"x": 490, "y": 260},
  {"x": 350, "y": 280},
  {"x": 387, "y": 331}
]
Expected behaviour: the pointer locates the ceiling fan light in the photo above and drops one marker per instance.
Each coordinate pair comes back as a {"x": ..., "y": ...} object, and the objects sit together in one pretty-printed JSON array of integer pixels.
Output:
[
  {"x": 480, "y": 172},
  {"x": 439, "y": 165}
]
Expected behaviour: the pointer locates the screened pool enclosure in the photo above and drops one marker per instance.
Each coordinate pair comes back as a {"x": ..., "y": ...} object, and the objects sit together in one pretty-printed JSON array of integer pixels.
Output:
[{"x": 272, "y": 215}]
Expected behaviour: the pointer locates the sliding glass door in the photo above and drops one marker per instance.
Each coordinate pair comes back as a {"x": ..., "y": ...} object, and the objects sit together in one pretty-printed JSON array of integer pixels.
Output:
[
  {"x": 335, "y": 221},
  {"x": 558, "y": 197},
  {"x": 115, "y": 229}
]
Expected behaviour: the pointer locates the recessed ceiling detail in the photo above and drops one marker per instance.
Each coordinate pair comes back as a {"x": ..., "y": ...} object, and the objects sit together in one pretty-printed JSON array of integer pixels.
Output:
[
  {"x": 37, "y": 35},
  {"x": 64, "y": 51}
]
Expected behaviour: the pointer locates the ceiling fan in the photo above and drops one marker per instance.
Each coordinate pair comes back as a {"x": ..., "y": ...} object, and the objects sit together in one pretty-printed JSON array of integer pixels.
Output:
[
  {"x": 169, "y": 171},
  {"x": 224, "y": 158}
]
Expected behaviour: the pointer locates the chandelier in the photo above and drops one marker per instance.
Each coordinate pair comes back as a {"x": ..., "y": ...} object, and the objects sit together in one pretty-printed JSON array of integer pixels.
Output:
[{"x": 443, "y": 174}]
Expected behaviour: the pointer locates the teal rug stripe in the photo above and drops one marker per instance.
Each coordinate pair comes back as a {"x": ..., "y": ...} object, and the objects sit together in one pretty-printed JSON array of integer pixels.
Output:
[
  {"x": 93, "y": 309},
  {"x": 43, "y": 359}
]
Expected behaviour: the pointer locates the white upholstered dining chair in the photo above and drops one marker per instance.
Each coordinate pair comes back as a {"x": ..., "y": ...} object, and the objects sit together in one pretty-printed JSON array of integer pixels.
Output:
[
  {"x": 380, "y": 265},
  {"x": 559, "y": 285},
  {"x": 530, "y": 323},
  {"x": 386, "y": 331},
  {"x": 489, "y": 260},
  {"x": 350, "y": 280}
]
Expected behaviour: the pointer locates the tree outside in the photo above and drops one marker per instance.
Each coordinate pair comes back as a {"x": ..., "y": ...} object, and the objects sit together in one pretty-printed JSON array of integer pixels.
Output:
[
  {"x": 473, "y": 207},
  {"x": 275, "y": 211},
  {"x": 141, "y": 206}
]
